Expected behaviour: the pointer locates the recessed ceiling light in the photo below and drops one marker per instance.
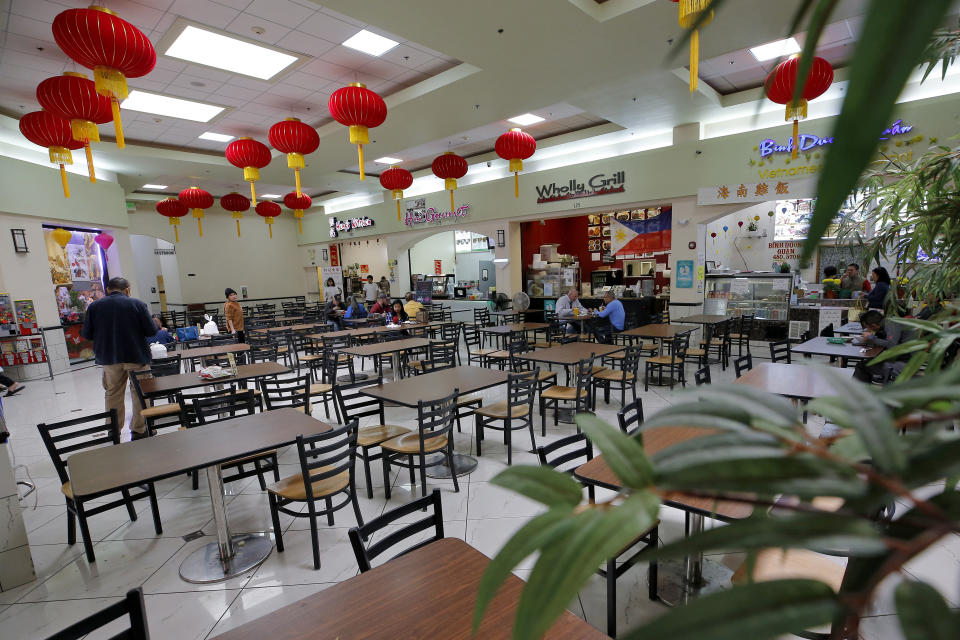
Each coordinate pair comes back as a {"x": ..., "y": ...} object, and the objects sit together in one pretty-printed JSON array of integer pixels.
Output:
[
  {"x": 231, "y": 54},
  {"x": 775, "y": 49},
  {"x": 270, "y": 195},
  {"x": 388, "y": 160},
  {"x": 526, "y": 119},
  {"x": 216, "y": 137},
  {"x": 154, "y": 186},
  {"x": 174, "y": 107},
  {"x": 370, "y": 43}
]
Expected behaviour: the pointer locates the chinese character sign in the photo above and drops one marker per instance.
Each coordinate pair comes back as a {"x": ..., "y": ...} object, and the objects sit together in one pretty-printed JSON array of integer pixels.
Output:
[{"x": 756, "y": 191}]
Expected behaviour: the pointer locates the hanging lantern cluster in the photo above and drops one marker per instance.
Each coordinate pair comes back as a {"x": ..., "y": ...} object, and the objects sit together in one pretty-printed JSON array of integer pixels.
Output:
[
  {"x": 360, "y": 109},
  {"x": 174, "y": 210},
  {"x": 449, "y": 167},
  {"x": 236, "y": 204},
  {"x": 45, "y": 129},
  {"x": 268, "y": 211},
  {"x": 251, "y": 156},
  {"x": 515, "y": 146},
  {"x": 298, "y": 202},
  {"x": 196, "y": 199},
  {"x": 781, "y": 87},
  {"x": 395, "y": 180},
  {"x": 74, "y": 97},
  {"x": 690, "y": 12}
]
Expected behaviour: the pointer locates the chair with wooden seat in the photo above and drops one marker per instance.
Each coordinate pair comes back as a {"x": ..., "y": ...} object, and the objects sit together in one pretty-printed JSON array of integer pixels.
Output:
[
  {"x": 702, "y": 376},
  {"x": 545, "y": 377},
  {"x": 166, "y": 366},
  {"x": 516, "y": 412},
  {"x": 92, "y": 431},
  {"x": 434, "y": 434},
  {"x": 476, "y": 351},
  {"x": 450, "y": 334},
  {"x": 335, "y": 344},
  {"x": 673, "y": 363},
  {"x": 360, "y": 536},
  {"x": 131, "y": 606},
  {"x": 466, "y": 404},
  {"x": 566, "y": 454},
  {"x": 553, "y": 335},
  {"x": 326, "y": 473},
  {"x": 623, "y": 378},
  {"x": 287, "y": 393},
  {"x": 155, "y": 416},
  {"x": 439, "y": 354},
  {"x": 222, "y": 339},
  {"x": 631, "y": 417},
  {"x": 579, "y": 394},
  {"x": 354, "y": 405},
  {"x": 743, "y": 364},
  {"x": 517, "y": 343},
  {"x": 262, "y": 353},
  {"x": 741, "y": 332},
  {"x": 780, "y": 351}
]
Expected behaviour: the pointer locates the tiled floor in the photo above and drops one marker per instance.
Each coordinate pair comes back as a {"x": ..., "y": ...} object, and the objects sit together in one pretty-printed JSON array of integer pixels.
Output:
[{"x": 129, "y": 554}]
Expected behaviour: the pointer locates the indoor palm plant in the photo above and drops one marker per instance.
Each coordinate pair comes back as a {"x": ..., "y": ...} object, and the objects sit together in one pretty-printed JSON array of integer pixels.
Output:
[{"x": 892, "y": 442}]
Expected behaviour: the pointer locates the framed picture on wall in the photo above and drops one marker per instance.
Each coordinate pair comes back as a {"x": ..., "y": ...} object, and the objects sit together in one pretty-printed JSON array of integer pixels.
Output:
[
  {"x": 325, "y": 255},
  {"x": 710, "y": 265},
  {"x": 593, "y": 218}
]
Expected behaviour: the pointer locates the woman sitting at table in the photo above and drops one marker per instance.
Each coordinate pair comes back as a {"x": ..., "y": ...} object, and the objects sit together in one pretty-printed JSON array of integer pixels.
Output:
[
  {"x": 397, "y": 315},
  {"x": 163, "y": 332},
  {"x": 881, "y": 332},
  {"x": 334, "y": 309},
  {"x": 355, "y": 310},
  {"x": 881, "y": 286}
]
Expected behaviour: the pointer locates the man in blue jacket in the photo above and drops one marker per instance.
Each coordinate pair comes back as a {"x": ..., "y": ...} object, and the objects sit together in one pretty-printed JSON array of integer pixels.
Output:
[
  {"x": 612, "y": 311},
  {"x": 119, "y": 327}
]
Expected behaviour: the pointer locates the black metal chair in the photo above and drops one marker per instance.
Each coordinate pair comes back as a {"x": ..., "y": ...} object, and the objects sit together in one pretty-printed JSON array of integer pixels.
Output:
[
  {"x": 673, "y": 363},
  {"x": 435, "y": 420},
  {"x": 741, "y": 333},
  {"x": 579, "y": 394},
  {"x": 702, "y": 376},
  {"x": 131, "y": 605},
  {"x": 360, "y": 536},
  {"x": 624, "y": 378},
  {"x": 326, "y": 471},
  {"x": 155, "y": 416},
  {"x": 78, "y": 434},
  {"x": 516, "y": 412},
  {"x": 780, "y": 351},
  {"x": 289, "y": 392},
  {"x": 743, "y": 364},
  {"x": 631, "y": 415},
  {"x": 354, "y": 405},
  {"x": 476, "y": 351},
  {"x": 566, "y": 454}
]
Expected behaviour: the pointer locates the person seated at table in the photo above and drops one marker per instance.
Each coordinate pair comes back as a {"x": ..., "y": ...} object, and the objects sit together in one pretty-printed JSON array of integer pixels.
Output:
[
  {"x": 612, "y": 311},
  {"x": 853, "y": 281},
  {"x": 397, "y": 314},
  {"x": 565, "y": 308},
  {"x": 881, "y": 332},
  {"x": 334, "y": 309},
  {"x": 382, "y": 304},
  {"x": 411, "y": 306},
  {"x": 881, "y": 287},
  {"x": 932, "y": 305},
  {"x": 355, "y": 310},
  {"x": 163, "y": 332},
  {"x": 829, "y": 273}
]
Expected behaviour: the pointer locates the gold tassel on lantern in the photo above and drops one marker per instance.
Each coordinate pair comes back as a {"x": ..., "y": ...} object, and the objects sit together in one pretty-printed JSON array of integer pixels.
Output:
[
  {"x": 252, "y": 174},
  {"x": 85, "y": 130},
  {"x": 450, "y": 184},
  {"x": 198, "y": 214},
  {"x": 298, "y": 214},
  {"x": 690, "y": 11},
  {"x": 236, "y": 216},
  {"x": 62, "y": 156},
  {"x": 175, "y": 223},
  {"x": 516, "y": 165},
  {"x": 360, "y": 135},
  {"x": 112, "y": 84},
  {"x": 269, "y": 222},
  {"x": 797, "y": 112},
  {"x": 397, "y": 195},
  {"x": 295, "y": 162},
  {"x": 90, "y": 170}
]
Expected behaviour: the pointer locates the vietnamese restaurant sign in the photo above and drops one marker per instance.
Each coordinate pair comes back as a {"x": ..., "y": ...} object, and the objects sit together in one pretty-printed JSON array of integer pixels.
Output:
[
  {"x": 810, "y": 142},
  {"x": 600, "y": 184}
]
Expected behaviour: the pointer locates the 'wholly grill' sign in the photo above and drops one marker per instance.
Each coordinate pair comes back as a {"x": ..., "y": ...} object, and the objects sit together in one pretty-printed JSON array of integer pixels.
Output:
[
  {"x": 336, "y": 226},
  {"x": 598, "y": 185}
]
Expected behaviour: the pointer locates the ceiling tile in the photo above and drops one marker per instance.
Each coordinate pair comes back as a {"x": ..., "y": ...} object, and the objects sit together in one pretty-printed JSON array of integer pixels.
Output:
[
  {"x": 328, "y": 71},
  {"x": 327, "y": 27},
  {"x": 437, "y": 65},
  {"x": 251, "y": 83},
  {"x": 290, "y": 91},
  {"x": 160, "y": 29},
  {"x": 240, "y": 5},
  {"x": 343, "y": 17},
  {"x": 301, "y": 42},
  {"x": 165, "y": 76},
  {"x": 230, "y": 90},
  {"x": 147, "y": 84},
  {"x": 383, "y": 69},
  {"x": 139, "y": 15},
  {"x": 169, "y": 64},
  {"x": 51, "y": 66},
  {"x": 280, "y": 11},
  {"x": 406, "y": 56},
  {"x": 244, "y": 24},
  {"x": 160, "y": 5},
  {"x": 347, "y": 57},
  {"x": 31, "y": 28},
  {"x": 205, "y": 12},
  {"x": 193, "y": 84},
  {"x": 36, "y": 9}
]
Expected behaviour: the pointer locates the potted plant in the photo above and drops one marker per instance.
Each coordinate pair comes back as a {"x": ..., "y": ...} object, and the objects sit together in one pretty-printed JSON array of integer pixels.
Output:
[
  {"x": 753, "y": 226},
  {"x": 831, "y": 287}
]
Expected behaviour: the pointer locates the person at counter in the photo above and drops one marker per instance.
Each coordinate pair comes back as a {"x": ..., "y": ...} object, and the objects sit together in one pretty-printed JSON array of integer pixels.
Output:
[
  {"x": 382, "y": 304},
  {"x": 612, "y": 311},
  {"x": 881, "y": 287},
  {"x": 411, "y": 306},
  {"x": 566, "y": 305},
  {"x": 852, "y": 279}
]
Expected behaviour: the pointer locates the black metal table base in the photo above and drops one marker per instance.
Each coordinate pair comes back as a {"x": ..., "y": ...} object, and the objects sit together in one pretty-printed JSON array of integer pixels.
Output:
[
  {"x": 462, "y": 465},
  {"x": 673, "y": 589}
]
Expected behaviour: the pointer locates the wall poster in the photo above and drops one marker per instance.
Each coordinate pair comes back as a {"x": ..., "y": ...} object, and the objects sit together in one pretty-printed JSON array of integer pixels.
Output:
[
  {"x": 328, "y": 274},
  {"x": 684, "y": 274},
  {"x": 78, "y": 274}
]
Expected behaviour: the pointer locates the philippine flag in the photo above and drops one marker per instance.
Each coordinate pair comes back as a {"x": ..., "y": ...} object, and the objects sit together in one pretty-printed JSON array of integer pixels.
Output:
[{"x": 641, "y": 236}]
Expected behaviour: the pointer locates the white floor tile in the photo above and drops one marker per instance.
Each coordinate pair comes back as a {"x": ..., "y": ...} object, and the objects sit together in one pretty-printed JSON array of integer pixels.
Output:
[
  {"x": 255, "y": 602},
  {"x": 184, "y": 616}
]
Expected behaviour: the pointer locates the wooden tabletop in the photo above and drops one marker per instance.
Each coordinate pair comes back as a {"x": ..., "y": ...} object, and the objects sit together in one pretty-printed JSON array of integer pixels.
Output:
[
  {"x": 436, "y": 385},
  {"x": 703, "y": 319},
  {"x": 175, "y": 452},
  {"x": 597, "y": 472},
  {"x": 515, "y": 327},
  {"x": 659, "y": 330},
  {"x": 166, "y": 385},
  {"x": 426, "y": 594},
  {"x": 820, "y": 346},
  {"x": 355, "y": 333},
  {"x": 380, "y": 348},
  {"x": 791, "y": 380},
  {"x": 570, "y": 353},
  {"x": 356, "y": 320},
  {"x": 293, "y": 327},
  {"x": 512, "y": 312},
  {"x": 204, "y": 352}
]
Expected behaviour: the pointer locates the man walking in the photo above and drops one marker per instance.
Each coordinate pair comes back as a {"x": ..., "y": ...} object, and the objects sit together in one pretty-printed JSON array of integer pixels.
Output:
[
  {"x": 370, "y": 292},
  {"x": 234, "y": 314},
  {"x": 119, "y": 327}
]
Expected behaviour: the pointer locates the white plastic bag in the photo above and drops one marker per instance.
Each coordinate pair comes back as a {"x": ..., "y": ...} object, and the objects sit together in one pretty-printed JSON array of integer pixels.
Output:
[
  {"x": 157, "y": 350},
  {"x": 210, "y": 329}
]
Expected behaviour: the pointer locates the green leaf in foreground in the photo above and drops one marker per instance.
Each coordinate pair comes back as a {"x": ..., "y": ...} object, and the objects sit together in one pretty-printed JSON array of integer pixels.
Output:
[
  {"x": 755, "y": 611},
  {"x": 568, "y": 562},
  {"x": 543, "y": 484},
  {"x": 924, "y": 615},
  {"x": 623, "y": 454}
]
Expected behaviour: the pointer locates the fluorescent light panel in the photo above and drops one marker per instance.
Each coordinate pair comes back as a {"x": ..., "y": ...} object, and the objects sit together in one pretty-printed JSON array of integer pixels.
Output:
[
  {"x": 270, "y": 195},
  {"x": 776, "y": 49},
  {"x": 388, "y": 160},
  {"x": 526, "y": 119},
  {"x": 173, "y": 107},
  {"x": 154, "y": 186},
  {"x": 216, "y": 137},
  {"x": 230, "y": 54},
  {"x": 370, "y": 43}
]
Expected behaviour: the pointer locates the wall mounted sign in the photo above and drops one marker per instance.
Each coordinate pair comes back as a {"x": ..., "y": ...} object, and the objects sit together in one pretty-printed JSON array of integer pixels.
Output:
[
  {"x": 757, "y": 191},
  {"x": 684, "y": 274},
  {"x": 599, "y": 185},
  {"x": 810, "y": 142},
  {"x": 352, "y": 224},
  {"x": 438, "y": 267},
  {"x": 334, "y": 256},
  {"x": 164, "y": 252},
  {"x": 421, "y": 215}
]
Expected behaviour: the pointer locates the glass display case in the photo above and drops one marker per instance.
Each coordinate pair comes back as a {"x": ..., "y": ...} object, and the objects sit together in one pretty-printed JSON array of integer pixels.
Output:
[{"x": 765, "y": 295}]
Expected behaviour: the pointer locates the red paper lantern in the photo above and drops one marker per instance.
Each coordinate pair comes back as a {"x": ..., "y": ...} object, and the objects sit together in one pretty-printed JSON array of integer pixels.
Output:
[
  {"x": 236, "y": 204},
  {"x": 196, "y": 199},
  {"x": 360, "y": 109},
  {"x": 251, "y": 156},
  {"x": 174, "y": 210},
  {"x": 396, "y": 180},
  {"x": 53, "y": 132},
  {"x": 268, "y": 210},
  {"x": 450, "y": 167},
  {"x": 298, "y": 202},
  {"x": 104, "y": 240},
  {"x": 109, "y": 45},
  {"x": 74, "y": 97},
  {"x": 515, "y": 146},
  {"x": 295, "y": 139},
  {"x": 781, "y": 85}
]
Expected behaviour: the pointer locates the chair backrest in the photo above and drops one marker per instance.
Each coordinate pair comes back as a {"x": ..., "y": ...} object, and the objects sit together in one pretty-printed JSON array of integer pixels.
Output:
[
  {"x": 481, "y": 317},
  {"x": 290, "y": 392},
  {"x": 521, "y": 388},
  {"x": 631, "y": 359},
  {"x": 630, "y": 417},
  {"x": 262, "y": 353},
  {"x": 702, "y": 376},
  {"x": 471, "y": 336},
  {"x": 451, "y": 332},
  {"x": 583, "y": 375},
  {"x": 442, "y": 355},
  {"x": 355, "y": 405},
  {"x": 224, "y": 407},
  {"x": 328, "y": 454},
  {"x": 549, "y": 316},
  {"x": 745, "y": 327},
  {"x": 222, "y": 339},
  {"x": 332, "y": 365},
  {"x": 664, "y": 316},
  {"x": 85, "y": 432},
  {"x": 435, "y": 418},
  {"x": 827, "y": 331},
  {"x": 131, "y": 605},
  {"x": 566, "y": 454},
  {"x": 780, "y": 351},
  {"x": 743, "y": 364},
  {"x": 165, "y": 366},
  {"x": 680, "y": 344},
  {"x": 361, "y": 535},
  {"x": 188, "y": 410}
]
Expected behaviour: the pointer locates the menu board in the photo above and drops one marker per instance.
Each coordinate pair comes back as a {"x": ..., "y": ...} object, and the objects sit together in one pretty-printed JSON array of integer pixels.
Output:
[{"x": 423, "y": 290}]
